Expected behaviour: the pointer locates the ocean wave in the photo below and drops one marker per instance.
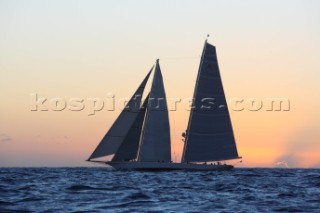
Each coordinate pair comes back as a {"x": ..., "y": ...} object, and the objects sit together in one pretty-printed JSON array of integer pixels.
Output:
[
  {"x": 138, "y": 195},
  {"x": 5, "y": 203},
  {"x": 101, "y": 190},
  {"x": 84, "y": 188}
]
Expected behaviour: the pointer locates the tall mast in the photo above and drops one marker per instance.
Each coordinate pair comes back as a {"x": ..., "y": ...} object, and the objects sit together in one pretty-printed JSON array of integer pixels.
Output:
[{"x": 193, "y": 100}]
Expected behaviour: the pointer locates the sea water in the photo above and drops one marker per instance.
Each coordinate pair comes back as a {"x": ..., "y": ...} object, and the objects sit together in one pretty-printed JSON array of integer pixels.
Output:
[{"x": 107, "y": 190}]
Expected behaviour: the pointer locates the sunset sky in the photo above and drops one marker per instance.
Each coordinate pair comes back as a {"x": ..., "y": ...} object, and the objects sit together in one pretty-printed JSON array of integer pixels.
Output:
[{"x": 91, "y": 49}]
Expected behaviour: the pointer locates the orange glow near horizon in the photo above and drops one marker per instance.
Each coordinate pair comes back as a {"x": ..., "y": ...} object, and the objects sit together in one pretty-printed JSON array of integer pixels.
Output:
[{"x": 88, "y": 50}]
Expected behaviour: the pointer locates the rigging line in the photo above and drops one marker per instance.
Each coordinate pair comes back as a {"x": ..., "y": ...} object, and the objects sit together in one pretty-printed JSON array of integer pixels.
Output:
[
  {"x": 237, "y": 162},
  {"x": 180, "y": 58},
  {"x": 174, "y": 138}
]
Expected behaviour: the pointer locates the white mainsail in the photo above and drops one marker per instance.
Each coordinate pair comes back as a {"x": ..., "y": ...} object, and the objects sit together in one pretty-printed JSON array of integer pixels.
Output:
[
  {"x": 155, "y": 138},
  {"x": 120, "y": 128},
  {"x": 128, "y": 150},
  {"x": 209, "y": 135}
]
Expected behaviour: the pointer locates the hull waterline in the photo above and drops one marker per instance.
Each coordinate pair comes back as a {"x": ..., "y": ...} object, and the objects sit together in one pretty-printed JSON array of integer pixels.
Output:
[{"x": 161, "y": 166}]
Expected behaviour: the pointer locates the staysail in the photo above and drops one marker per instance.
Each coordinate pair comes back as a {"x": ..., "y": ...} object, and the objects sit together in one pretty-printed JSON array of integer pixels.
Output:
[
  {"x": 209, "y": 135},
  {"x": 155, "y": 138},
  {"x": 128, "y": 150},
  {"x": 120, "y": 128}
]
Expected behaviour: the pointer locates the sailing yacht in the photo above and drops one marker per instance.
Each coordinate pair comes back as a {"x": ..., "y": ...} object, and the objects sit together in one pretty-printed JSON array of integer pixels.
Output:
[{"x": 139, "y": 139}]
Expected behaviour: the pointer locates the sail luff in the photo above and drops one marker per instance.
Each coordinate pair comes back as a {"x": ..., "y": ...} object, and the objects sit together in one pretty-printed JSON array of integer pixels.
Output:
[
  {"x": 116, "y": 134},
  {"x": 209, "y": 134},
  {"x": 129, "y": 148},
  {"x": 155, "y": 138},
  {"x": 141, "y": 139},
  {"x": 192, "y": 106}
]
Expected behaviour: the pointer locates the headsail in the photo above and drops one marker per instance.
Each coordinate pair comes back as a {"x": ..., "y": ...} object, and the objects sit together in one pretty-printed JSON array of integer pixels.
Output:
[
  {"x": 129, "y": 147},
  {"x": 120, "y": 128},
  {"x": 155, "y": 138},
  {"x": 209, "y": 135}
]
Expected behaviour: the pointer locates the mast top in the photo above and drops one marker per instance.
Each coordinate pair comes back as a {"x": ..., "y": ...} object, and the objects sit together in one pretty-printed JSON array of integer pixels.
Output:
[{"x": 208, "y": 35}]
